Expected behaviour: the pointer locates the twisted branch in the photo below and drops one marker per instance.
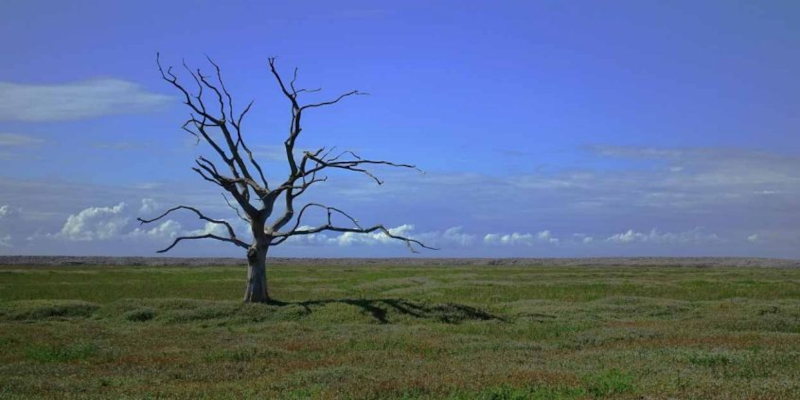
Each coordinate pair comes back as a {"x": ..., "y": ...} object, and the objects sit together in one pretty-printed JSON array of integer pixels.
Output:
[{"x": 206, "y": 236}]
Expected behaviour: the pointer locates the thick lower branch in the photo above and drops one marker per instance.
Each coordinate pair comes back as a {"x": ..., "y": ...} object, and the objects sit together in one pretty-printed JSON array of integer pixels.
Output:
[
  {"x": 282, "y": 237},
  {"x": 206, "y": 236},
  {"x": 232, "y": 234}
]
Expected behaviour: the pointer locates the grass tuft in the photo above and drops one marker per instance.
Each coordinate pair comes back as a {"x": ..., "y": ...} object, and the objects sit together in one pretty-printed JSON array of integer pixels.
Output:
[
  {"x": 140, "y": 315},
  {"x": 610, "y": 382},
  {"x": 61, "y": 353},
  {"x": 34, "y": 310}
]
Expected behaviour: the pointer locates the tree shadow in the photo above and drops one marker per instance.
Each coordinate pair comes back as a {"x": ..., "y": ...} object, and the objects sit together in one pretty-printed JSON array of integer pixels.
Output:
[{"x": 381, "y": 309}]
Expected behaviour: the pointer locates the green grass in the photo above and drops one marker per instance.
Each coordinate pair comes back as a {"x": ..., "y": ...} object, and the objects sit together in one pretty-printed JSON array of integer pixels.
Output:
[{"x": 401, "y": 332}]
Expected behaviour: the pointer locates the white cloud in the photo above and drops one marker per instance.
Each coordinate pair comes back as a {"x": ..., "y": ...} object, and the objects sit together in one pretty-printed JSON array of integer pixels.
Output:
[
  {"x": 7, "y": 212},
  {"x": 582, "y": 237},
  {"x": 547, "y": 237},
  {"x": 7, "y": 215},
  {"x": 112, "y": 224},
  {"x": 15, "y": 139},
  {"x": 451, "y": 237},
  {"x": 168, "y": 229},
  {"x": 210, "y": 228},
  {"x": 94, "y": 223},
  {"x": 514, "y": 238},
  {"x": 75, "y": 100},
  {"x": 753, "y": 238},
  {"x": 526, "y": 239},
  {"x": 351, "y": 238},
  {"x": 628, "y": 236},
  {"x": 312, "y": 239},
  {"x": 149, "y": 206},
  {"x": 654, "y": 236},
  {"x": 456, "y": 236}
]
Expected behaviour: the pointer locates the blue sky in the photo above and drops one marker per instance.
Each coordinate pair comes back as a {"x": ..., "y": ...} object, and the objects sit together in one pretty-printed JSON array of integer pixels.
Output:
[{"x": 544, "y": 128}]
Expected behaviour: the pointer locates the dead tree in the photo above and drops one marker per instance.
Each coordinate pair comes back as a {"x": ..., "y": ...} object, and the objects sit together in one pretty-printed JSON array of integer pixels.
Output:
[{"x": 239, "y": 174}]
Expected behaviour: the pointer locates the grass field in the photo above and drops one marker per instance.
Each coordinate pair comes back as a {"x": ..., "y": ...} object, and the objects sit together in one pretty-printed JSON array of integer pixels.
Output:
[{"x": 491, "y": 332}]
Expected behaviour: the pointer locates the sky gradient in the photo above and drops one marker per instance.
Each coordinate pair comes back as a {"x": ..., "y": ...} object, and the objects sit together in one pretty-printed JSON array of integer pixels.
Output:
[{"x": 545, "y": 129}]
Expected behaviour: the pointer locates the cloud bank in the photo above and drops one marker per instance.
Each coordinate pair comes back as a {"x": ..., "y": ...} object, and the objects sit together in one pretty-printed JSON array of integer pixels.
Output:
[{"x": 697, "y": 201}]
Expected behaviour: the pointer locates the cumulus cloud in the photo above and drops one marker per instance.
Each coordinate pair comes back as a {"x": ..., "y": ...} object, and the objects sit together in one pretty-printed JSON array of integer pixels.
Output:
[
  {"x": 312, "y": 239},
  {"x": 526, "y": 239},
  {"x": 8, "y": 212},
  {"x": 451, "y": 237},
  {"x": 113, "y": 224},
  {"x": 95, "y": 223},
  {"x": 75, "y": 100},
  {"x": 168, "y": 229},
  {"x": 210, "y": 228},
  {"x": 456, "y": 236},
  {"x": 582, "y": 237},
  {"x": 497, "y": 238},
  {"x": 9, "y": 217},
  {"x": 546, "y": 236},
  {"x": 654, "y": 236},
  {"x": 149, "y": 206},
  {"x": 351, "y": 238}
]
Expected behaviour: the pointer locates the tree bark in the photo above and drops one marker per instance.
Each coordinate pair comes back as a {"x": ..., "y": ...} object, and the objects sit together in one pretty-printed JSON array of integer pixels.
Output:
[{"x": 256, "y": 290}]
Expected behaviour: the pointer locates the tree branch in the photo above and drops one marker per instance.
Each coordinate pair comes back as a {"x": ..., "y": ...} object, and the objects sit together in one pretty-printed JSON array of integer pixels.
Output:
[
  {"x": 202, "y": 216},
  {"x": 282, "y": 237},
  {"x": 206, "y": 236},
  {"x": 351, "y": 165},
  {"x": 234, "y": 208},
  {"x": 328, "y": 103},
  {"x": 408, "y": 241}
]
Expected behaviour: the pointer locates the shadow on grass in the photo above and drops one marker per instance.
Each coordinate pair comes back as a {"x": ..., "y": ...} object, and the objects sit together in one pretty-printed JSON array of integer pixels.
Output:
[
  {"x": 450, "y": 313},
  {"x": 176, "y": 310}
]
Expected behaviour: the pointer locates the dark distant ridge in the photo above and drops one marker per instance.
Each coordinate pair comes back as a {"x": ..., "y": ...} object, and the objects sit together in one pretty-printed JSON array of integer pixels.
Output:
[{"x": 564, "y": 262}]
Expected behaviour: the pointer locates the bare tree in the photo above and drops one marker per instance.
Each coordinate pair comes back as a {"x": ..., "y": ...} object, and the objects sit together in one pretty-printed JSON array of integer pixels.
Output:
[{"x": 241, "y": 176}]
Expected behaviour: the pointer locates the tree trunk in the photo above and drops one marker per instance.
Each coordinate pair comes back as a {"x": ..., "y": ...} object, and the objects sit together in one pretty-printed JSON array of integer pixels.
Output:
[{"x": 256, "y": 290}]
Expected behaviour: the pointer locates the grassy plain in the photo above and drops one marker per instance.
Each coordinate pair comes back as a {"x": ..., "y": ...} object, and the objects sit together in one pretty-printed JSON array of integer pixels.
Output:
[{"x": 490, "y": 332}]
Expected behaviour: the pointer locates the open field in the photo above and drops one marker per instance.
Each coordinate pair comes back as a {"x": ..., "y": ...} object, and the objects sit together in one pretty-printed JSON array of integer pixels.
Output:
[{"x": 389, "y": 330}]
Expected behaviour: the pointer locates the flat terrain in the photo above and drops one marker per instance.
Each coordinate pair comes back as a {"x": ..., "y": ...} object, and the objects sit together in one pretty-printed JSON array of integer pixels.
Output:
[{"x": 509, "y": 329}]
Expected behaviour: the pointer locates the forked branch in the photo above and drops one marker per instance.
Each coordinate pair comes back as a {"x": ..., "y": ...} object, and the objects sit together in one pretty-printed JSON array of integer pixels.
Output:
[{"x": 356, "y": 164}]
